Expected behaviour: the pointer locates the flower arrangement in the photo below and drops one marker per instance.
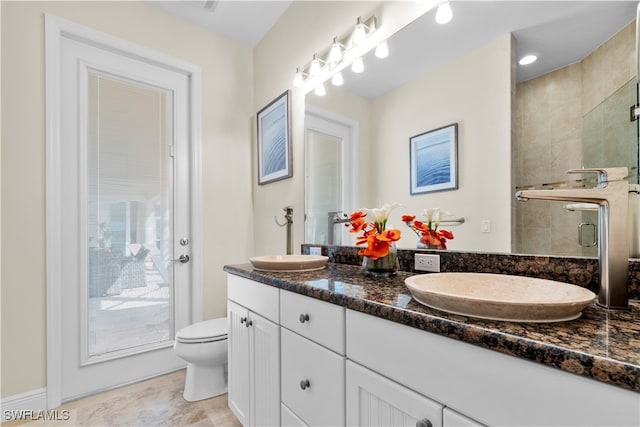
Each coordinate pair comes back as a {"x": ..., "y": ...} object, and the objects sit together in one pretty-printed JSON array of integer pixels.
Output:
[
  {"x": 428, "y": 232},
  {"x": 375, "y": 234}
]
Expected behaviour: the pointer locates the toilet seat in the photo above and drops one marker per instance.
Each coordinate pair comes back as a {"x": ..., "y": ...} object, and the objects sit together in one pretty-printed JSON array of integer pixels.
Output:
[{"x": 204, "y": 332}]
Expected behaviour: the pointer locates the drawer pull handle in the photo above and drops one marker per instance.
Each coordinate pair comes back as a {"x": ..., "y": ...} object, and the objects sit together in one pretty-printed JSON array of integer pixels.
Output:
[
  {"x": 249, "y": 323},
  {"x": 424, "y": 423},
  {"x": 242, "y": 320},
  {"x": 304, "y": 318},
  {"x": 304, "y": 384}
]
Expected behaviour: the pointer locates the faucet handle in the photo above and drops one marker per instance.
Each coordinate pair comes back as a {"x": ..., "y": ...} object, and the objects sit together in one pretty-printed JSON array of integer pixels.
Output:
[{"x": 605, "y": 174}]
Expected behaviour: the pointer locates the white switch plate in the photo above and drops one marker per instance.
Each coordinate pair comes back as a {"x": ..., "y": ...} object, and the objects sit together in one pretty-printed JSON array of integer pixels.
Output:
[
  {"x": 427, "y": 262},
  {"x": 315, "y": 250},
  {"x": 485, "y": 226}
]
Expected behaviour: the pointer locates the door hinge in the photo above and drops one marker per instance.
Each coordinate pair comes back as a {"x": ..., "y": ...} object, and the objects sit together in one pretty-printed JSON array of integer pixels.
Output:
[
  {"x": 172, "y": 150},
  {"x": 634, "y": 112}
]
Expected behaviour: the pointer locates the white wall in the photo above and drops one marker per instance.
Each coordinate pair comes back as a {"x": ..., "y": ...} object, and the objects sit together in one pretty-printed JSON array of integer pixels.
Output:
[
  {"x": 475, "y": 92},
  {"x": 227, "y": 70},
  {"x": 305, "y": 28}
]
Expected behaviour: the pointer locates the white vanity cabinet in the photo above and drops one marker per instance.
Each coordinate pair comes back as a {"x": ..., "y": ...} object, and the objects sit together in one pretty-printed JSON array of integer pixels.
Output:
[
  {"x": 487, "y": 386},
  {"x": 254, "y": 352},
  {"x": 298, "y": 361},
  {"x": 313, "y": 361}
]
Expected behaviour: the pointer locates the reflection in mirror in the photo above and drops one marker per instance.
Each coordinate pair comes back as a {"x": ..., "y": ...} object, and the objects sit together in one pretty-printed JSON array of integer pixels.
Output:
[
  {"x": 329, "y": 146},
  {"x": 563, "y": 114}
]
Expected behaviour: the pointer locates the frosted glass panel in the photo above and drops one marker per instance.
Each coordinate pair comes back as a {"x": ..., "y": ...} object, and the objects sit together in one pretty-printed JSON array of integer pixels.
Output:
[
  {"x": 324, "y": 181},
  {"x": 128, "y": 215}
]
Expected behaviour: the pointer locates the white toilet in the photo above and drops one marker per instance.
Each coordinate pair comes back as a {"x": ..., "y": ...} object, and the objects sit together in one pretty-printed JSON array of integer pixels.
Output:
[{"x": 204, "y": 346}]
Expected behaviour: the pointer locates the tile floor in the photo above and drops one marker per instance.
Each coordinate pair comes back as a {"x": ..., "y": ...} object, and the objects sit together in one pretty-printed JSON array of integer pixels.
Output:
[{"x": 154, "y": 402}]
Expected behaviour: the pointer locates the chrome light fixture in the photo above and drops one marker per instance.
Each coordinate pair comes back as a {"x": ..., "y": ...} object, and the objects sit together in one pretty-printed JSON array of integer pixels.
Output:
[
  {"x": 360, "y": 32},
  {"x": 298, "y": 79},
  {"x": 334, "y": 56},
  {"x": 357, "y": 66},
  {"x": 315, "y": 67},
  {"x": 444, "y": 14},
  {"x": 382, "y": 50},
  {"x": 337, "y": 79}
]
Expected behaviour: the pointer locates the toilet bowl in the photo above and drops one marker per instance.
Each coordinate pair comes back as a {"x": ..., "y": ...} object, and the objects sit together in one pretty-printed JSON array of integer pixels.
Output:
[{"x": 203, "y": 346}]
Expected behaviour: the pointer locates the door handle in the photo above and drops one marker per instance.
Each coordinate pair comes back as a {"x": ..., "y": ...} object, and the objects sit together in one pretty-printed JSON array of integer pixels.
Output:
[{"x": 183, "y": 258}]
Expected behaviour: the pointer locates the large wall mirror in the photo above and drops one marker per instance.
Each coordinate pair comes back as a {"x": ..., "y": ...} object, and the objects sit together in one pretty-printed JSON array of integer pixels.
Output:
[{"x": 570, "y": 109}]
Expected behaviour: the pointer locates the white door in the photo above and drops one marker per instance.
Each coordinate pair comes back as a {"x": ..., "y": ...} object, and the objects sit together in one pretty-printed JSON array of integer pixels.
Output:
[
  {"x": 330, "y": 175},
  {"x": 125, "y": 228}
]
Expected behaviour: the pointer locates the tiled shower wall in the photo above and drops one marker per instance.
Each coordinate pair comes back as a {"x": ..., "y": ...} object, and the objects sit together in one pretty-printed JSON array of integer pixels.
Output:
[{"x": 548, "y": 134}]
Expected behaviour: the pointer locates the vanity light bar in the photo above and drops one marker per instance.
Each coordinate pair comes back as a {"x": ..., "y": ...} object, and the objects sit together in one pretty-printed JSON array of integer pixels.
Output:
[{"x": 337, "y": 49}]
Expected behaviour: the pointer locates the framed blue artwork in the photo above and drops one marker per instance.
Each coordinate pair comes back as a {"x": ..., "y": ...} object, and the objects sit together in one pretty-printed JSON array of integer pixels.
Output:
[
  {"x": 434, "y": 160},
  {"x": 274, "y": 141}
]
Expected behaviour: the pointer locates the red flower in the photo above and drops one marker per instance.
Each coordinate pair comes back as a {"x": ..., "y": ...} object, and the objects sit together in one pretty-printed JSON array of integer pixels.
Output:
[
  {"x": 378, "y": 242},
  {"x": 428, "y": 236}
]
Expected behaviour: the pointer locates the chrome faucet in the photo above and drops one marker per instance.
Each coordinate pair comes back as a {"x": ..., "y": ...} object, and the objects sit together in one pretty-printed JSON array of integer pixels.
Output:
[
  {"x": 334, "y": 218},
  {"x": 611, "y": 194}
]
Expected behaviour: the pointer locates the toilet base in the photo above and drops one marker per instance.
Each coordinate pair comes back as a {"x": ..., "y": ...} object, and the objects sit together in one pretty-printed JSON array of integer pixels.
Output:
[{"x": 204, "y": 382}]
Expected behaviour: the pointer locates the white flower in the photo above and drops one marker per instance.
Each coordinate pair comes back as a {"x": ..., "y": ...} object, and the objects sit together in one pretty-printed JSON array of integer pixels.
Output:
[
  {"x": 433, "y": 217},
  {"x": 380, "y": 215}
]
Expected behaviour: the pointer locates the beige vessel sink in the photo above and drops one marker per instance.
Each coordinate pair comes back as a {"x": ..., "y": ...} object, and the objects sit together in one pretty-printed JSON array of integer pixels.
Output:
[
  {"x": 289, "y": 262},
  {"x": 500, "y": 297}
]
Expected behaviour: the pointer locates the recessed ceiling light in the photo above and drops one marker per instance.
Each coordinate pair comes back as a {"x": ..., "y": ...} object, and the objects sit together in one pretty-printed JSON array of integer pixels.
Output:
[{"x": 528, "y": 59}]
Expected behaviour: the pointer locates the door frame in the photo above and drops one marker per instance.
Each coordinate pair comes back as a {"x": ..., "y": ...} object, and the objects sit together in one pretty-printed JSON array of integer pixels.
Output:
[
  {"x": 56, "y": 29},
  {"x": 318, "y": 119}
]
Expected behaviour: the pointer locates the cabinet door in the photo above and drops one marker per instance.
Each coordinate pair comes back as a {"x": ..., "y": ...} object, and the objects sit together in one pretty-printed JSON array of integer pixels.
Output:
[
  {"x": 238, "y": 349},
  {"x": 264, "y": 372},
  {"x": 373, "y": 400}
]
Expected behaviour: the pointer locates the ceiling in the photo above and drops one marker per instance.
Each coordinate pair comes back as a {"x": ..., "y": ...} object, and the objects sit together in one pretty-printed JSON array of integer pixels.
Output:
[
  {"x": 243, "y": 21},
  {"x": 559, "y": 32}
]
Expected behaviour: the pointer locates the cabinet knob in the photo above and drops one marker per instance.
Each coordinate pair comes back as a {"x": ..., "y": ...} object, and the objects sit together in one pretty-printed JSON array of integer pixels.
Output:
[
  {"x": 424, "y": 423},
  {"x": 242, "y": 320},
  {"x": 304, "y": 384},
  {"x": 249, "y": 323},
  {"x": 304, "y": 318}
]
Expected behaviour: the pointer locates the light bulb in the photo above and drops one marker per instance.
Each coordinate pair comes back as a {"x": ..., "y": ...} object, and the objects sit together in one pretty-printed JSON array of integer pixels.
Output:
[
  {"x": 335, "y": 54},
  {"x": 357, "y": 66},
  {"x": 320, "y": 90},
  {"x": 298, "y": 79},
  {"x": 337, "y": 79},
  {"x": 382, "y": 50},
  {"x": 528, "y": 59},
  {"x": 444, "y": 13},
  {"x": 360, "y": 32},
  {"x": 314, "y": 68}
]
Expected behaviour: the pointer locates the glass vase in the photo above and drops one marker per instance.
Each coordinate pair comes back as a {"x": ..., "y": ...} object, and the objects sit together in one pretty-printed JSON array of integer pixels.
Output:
[
  {"x": 384, "y": 266},
  {"x": 421, "y": 245}
]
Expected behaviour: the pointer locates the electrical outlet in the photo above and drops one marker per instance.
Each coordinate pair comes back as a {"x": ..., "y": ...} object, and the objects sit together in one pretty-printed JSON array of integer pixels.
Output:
[
  {"x": 315, "y": 250},
  {"x": 427, "y": 262}
]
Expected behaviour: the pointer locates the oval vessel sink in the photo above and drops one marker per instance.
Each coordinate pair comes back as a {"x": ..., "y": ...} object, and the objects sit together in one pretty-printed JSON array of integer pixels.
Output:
[
  {"x": 500, "y": 296},
  {"x": 289, "y": 262}
]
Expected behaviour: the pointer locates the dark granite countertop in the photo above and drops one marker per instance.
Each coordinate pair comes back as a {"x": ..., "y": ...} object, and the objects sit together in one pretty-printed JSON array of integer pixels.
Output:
[{"x": 602, "y": 344}]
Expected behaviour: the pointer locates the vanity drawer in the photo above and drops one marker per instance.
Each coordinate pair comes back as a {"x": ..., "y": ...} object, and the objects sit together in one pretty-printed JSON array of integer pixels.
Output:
[
  {"x": 317, "y": 320},
  {"x": 313, "y": 381},
  {"x": 257, "y": 297}
]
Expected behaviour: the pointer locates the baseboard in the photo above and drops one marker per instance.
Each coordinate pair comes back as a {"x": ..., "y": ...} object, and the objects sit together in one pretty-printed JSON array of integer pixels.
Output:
[{"x": 17, "y": 406}]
